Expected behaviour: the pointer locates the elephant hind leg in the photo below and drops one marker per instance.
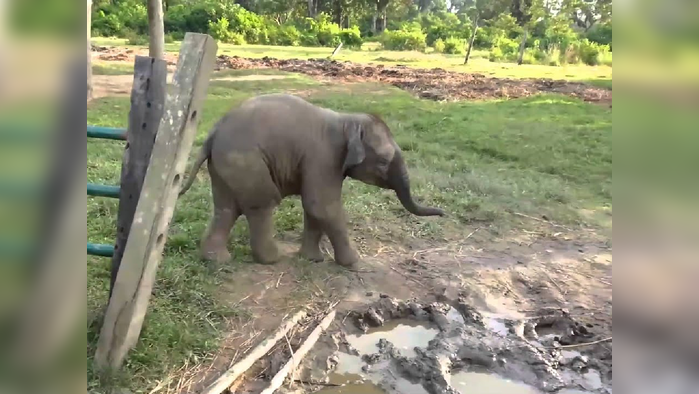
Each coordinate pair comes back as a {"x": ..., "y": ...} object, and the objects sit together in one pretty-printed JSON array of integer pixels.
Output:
[
  {"x": 264, "y": 248},
  {"x": 312, "y": 234},
  {"x": 215, "y": 241}
]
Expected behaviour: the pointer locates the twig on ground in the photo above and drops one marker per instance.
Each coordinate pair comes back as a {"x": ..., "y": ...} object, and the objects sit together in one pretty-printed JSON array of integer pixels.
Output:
[
  {"x": 291, "y": 351},
  {"x": 580, "y": 344},
  {"x": 407, "y": 277},
  {"x": 317, "y": 383},
  {"x": 542, "y": 221},
  {"x": 279, "y": 280},
  {"x": 305, "y": 347},
  {"x": 229, "y": 377},
  {"x": 470, "y": 235}
]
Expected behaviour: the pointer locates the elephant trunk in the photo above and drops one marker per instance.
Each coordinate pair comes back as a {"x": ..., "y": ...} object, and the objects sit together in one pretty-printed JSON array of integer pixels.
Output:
[{"x": 399, "y": 181}]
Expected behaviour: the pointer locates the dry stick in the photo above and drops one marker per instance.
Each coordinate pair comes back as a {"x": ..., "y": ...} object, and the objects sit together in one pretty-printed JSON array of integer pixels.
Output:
[
  {"x": 580, "y": 344},
  {"x": 542, "y": 221},
  {"x": 407, "y": 277},
  {"x": 279, "y": 378},
  {"x": 225, "y": 381}
]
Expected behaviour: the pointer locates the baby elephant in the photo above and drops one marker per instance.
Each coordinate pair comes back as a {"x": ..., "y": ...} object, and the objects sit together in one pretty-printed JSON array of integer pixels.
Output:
[{"x": 277, "y": 145}]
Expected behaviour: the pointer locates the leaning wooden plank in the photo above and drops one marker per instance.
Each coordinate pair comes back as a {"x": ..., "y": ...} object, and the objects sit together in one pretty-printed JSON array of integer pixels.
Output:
[
  {"x": 296, "y": 358},
  {"x": 225, "y": 381},
  {"x": 127, "y": 307},
  {"x": 51, "y": 316},
  {"x": 147, "y": 104}
]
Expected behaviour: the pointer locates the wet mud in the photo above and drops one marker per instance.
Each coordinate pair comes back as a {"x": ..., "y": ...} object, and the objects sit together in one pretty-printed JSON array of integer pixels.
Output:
[{"x": 396, "y": 346}]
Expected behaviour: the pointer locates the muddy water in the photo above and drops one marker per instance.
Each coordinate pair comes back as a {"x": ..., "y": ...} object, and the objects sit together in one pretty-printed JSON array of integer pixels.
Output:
[
  {"x": 485, "y": 383},
  {"x": 404, "y": 334}
]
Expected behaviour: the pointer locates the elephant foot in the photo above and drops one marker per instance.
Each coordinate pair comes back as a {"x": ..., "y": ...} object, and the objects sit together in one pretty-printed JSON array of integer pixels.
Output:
[
  {"x": 219, "y": 256},
  {"x": 267, "y": 256},
  {"x": 348, "y": 259},
  {"x": 312, "y": 254}
]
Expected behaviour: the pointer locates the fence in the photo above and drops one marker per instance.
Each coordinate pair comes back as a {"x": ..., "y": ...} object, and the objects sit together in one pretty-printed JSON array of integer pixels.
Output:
[
  {"x": 95, "y": 190},
  {"x": 159, "y": 137}
]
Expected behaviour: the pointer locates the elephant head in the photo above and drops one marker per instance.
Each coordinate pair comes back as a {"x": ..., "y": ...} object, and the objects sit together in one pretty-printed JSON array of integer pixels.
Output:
[{"x": 374, "y": 157}]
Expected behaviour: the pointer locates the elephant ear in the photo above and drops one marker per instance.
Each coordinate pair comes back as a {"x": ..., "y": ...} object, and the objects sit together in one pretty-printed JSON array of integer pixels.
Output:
[{"x": 355, "y": 149}]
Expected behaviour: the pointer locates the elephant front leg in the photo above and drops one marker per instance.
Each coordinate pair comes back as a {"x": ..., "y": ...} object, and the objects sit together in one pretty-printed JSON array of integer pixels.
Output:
[
  {"x": 264, "y": 248},
  {"x": 312, "y": 234},
  {"x": 331, "y": 217}
]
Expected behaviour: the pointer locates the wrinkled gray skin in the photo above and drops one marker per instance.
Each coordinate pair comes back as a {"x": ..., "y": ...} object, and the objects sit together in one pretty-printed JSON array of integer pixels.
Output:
[{"x": 277, "y": 145}]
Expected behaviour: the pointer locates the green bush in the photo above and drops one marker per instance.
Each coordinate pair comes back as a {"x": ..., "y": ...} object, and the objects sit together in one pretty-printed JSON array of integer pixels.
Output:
[
  {"x": 169, "y": 38},
  {"x": 220, "y": 30},
  {"x": 601, "y": 34},
  {"x": 403, "y": 40},
  {"x": 591, "y": 53},
  {"x": 454, "y": 46},
  {"x": 133, "y": 38},
  {"x": 496, "y": 55},
  {"x": 351, "y": 38},
  {"x": 286, "y": 35},
  {"x": 504, "y": 49},
  {"x": 439, "y": 45}
]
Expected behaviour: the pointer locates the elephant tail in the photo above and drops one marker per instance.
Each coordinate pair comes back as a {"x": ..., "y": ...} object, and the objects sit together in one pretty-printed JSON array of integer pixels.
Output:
[{"x": 204, "y": 154}]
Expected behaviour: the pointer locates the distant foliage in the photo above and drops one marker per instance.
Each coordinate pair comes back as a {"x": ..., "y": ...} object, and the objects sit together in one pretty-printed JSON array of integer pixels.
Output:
[
  {"x": 454, "y": 45},
  {"x": 404, "y": 40},
  {"x": 552, "y": 39}
]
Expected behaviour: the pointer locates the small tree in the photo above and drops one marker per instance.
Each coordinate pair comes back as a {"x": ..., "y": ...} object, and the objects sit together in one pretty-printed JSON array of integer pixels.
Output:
[{"x": 480, "y": 13}]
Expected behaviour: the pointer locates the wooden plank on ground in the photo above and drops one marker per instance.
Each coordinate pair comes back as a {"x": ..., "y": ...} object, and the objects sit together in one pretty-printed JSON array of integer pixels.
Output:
[
  {"x": 134, "y": 283},
  {"x": 147, "y": 104}
]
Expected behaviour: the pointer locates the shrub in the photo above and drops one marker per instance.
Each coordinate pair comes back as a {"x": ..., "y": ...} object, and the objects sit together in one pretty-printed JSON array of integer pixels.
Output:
[
  {"x": 454, "y": 46},
  {"x": 287, "y": 35},
  {"x": 504, "y": 49},
  {"x": 133, "y": 38},
  {"x": 591, "y": 53},
  {"x": 496, "y": 55},
  {"x": 219, "y": 30},
  {"x": 601, "y": 34},
  {"x": 403, "y": 40},
  {"x": 169, "y": 38},
  {"x": 106, "y": 25},
  {"x": 351, "y": 38},
  {"x": 439, "y": 45}
]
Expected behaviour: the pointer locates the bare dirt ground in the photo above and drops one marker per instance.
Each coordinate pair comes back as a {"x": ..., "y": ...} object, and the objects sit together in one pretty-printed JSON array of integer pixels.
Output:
[
  {"x": 433, "y": 84},
  {"x": 528, "y": 279}
]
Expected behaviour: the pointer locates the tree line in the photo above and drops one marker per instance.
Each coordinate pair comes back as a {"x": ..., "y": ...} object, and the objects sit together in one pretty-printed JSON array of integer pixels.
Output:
[{"x": 526, "y": 31}]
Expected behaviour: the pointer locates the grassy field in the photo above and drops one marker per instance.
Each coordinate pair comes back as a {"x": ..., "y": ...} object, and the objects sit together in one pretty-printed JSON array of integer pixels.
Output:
[
  {"x": 479, "y": 62},
  {"x": 481, "y": 161}
]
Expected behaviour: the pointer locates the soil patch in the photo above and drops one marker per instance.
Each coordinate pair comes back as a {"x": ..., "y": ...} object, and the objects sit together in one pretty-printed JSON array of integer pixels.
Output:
[{"x": 434, "y": 84}]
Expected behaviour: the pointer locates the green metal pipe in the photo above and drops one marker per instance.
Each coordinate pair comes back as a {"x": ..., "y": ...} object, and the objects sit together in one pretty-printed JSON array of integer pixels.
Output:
[
  {"x": 106, "y": 133},
  {"x": 102, "y": 190},
  {"x": 100, "y": 250}
]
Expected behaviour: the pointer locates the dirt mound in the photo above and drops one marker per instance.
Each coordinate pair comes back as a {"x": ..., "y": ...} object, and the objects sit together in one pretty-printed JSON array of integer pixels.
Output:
[{"x": 434, "y": 84}]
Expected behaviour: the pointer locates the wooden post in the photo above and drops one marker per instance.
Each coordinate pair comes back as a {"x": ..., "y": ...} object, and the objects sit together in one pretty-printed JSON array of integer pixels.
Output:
[
  {"x": 134, "y": 283},
  {"x": 147, "y": 103},
  {"x": 337, "y": 49},
  {"x": 156, "y": 29},
  {"x": 56, "y": 299},
  {"x": 89, "y": 50}
]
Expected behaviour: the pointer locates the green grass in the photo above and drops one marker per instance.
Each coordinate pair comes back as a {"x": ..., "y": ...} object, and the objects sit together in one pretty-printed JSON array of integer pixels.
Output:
[
  {"x": 479, "y": 62},
  {"x": 546, "y": 155}
]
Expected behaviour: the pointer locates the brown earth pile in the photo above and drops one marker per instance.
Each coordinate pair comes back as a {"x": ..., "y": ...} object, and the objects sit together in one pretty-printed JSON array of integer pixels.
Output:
[{"x": 435, "y": 84}]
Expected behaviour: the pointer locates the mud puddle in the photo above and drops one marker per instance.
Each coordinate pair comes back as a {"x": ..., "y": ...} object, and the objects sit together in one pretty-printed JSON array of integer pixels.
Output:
[
  {"x": 486, "y": 383},
  {"x": 396, "y": 347}
]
